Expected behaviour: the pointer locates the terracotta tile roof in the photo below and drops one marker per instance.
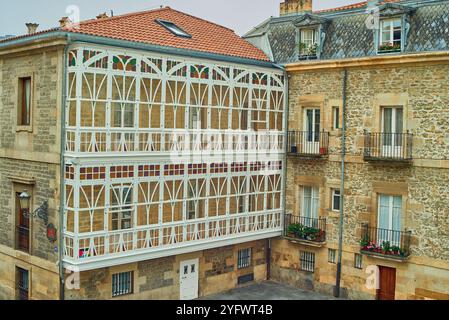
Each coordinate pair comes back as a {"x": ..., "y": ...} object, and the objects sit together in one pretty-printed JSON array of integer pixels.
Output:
[
  {"x": 352, "y": 6},
  {"x": 142, "y": 27}
]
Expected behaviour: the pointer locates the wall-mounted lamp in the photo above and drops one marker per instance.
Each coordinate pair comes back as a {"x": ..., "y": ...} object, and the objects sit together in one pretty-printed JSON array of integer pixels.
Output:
[{"x": 41, "y": 212}]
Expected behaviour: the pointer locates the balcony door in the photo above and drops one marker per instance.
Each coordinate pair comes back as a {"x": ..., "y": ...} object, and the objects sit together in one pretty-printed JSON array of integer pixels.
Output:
[
  {"x": 310, "y": 205},
  {"x": 312, "y": 128},
  {"x": 392, "y": 132},
  {"x": 389, "y": 220}
]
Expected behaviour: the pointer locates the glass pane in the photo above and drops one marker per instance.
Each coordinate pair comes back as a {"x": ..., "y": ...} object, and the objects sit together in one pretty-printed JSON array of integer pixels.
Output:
[
  {"x": 384, "y": 212},
  {"x": 387, "y": 126},
  {"x": 309, "y": 125},
  {"x": 307, "y": 202},
  {"x": 317, "y": 124}
]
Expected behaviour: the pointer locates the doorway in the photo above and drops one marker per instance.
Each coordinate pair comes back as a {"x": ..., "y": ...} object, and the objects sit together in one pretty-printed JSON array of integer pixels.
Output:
[
  {"x": 387, "y": 283},
  {"x": 189, "y": 278}
]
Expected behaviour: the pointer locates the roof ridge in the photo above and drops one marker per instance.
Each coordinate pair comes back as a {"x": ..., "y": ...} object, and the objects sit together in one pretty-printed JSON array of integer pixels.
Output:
[
  {"x": 126, "y": 15},
  {"x": 132, "y": 14}
]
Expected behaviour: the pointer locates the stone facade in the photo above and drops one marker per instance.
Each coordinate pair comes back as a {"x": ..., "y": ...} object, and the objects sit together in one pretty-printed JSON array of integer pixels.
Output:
[
  {"x": 29, "y": 160},
  {"x": 160, "y": 278},
  {"x": 422, "y": 90}
]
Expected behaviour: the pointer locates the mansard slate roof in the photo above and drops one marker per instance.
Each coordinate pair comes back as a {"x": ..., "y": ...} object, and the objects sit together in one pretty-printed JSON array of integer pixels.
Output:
[
  {"x": 142, "y": 27},
  {"x": 346, "y": 34}
]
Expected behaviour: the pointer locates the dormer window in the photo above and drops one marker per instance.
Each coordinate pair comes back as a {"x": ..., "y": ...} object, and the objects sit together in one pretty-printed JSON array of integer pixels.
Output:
[
  {"x": 308, "y": 44},
  {"x": 390, "y": 35}
]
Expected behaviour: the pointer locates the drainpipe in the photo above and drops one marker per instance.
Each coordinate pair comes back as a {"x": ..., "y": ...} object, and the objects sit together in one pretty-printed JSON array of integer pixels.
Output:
[
  {"x": 268, "y": 258},
  {"x": 62, "y": 172},
  {"x": 342, "y": 187}
]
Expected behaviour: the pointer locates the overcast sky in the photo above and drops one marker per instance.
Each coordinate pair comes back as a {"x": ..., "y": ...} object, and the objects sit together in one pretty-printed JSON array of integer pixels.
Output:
[{"x": 239, "y": 15}]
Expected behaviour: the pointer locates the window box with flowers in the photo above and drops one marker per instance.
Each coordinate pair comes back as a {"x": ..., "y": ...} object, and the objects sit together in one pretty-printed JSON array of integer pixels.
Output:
[
  {"x": 308, "y": 52},
  {"x": 385, "y": 249}
]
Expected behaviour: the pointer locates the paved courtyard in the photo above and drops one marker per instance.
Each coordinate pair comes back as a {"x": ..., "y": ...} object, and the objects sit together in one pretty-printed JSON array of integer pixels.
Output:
[{"x": 268, "y": 290}]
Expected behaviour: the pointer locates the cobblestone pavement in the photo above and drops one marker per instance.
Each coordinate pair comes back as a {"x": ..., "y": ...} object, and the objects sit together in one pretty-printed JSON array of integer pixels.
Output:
[{"x": 268, "y": 290}]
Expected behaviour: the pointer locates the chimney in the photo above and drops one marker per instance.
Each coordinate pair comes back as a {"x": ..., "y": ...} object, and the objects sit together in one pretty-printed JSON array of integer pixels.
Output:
[
  {"x": 102, "y": 15},
  {"x": 295, "y": 7},
  {"x": 64, "y": 22},
  {"x": 32, "y": 27}
]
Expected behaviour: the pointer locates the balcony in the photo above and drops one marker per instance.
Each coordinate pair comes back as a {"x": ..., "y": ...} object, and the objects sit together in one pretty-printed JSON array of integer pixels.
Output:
[
  {"x": 308, "y": 144},
  {"x": 308, "y": 231},
  {"x": 23, "y": 239},
  {"x": 106, "y": 248},
  {"x": 384, "y": 243},
  {"x": 394, "y": 147},
  {"x": 157, "y": 141}
]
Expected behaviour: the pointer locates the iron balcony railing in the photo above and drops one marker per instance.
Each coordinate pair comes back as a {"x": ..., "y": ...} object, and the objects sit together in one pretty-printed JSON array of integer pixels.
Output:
[
  {"x": 304, "y": 228},
  {"x": 23, "y": 238},
  {"x": 388, "y": 146},
  {"x": 386, "y": 242},
  {"x": 308, "y": 143}
]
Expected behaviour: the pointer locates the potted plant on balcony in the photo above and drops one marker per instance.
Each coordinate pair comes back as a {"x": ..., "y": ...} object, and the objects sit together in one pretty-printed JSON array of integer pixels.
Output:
[{"x": 293, "y": 230}]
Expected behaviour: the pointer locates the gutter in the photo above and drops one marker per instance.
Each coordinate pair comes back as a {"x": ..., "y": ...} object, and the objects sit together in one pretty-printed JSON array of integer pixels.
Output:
[{"x": 79, "y": 37}]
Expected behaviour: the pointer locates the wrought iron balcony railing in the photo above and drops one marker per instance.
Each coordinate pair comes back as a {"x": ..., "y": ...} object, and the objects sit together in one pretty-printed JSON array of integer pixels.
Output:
[
  {"x": 308, "y": 143},
  {"x": 385, "y": 242},
  {"x": 304, "y": 228},
  {"x": 23, "y": 238},
  {"x": 388, "y": 146}
]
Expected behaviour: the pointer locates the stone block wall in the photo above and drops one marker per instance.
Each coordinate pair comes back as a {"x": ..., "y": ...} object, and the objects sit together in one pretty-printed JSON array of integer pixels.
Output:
[
  {"x": 29, "y": 160},
  {"x": 422, "y": 91},
  {"x": 160, "y": 278}
]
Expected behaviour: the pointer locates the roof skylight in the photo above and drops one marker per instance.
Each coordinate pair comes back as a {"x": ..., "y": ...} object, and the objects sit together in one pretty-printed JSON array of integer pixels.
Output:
[{"x": 173, "y": 28}]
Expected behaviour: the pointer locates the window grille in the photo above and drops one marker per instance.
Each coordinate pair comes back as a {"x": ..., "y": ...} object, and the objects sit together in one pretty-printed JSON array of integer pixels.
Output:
[
  {"x": 122, "y": 284},
  {"x": 307, "y": 261},
  {"x": 244, "y": 258}
]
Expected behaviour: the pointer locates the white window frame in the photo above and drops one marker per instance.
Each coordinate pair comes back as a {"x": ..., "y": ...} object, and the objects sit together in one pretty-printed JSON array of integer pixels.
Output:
[
  {"x": 314, "y": 202},
  {"x": 122, "y": 284},
  {"x": 308, "y": 40},
  {"x": 333, "y": 195},
  {"x": 124, "y": 192},
  {"x": 336, "y": 118},
  {"x": 307, "y": 261},
  {"x": 391, "y": 30},
  {"x": 123, "y": 115}
]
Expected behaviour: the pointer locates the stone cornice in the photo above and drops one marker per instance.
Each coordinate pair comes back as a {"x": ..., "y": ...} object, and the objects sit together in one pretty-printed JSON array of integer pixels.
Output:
[{"x": 385, "y": 60}]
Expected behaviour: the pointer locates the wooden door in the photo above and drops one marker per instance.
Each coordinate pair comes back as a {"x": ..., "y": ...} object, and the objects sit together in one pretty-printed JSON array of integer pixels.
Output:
[{"x": 387, "y": 285}]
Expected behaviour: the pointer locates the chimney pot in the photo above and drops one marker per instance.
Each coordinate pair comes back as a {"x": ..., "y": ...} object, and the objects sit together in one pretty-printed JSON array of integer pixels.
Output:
[
  {"x": 32, "y": 27},
  {"x": 295, "y": 7},
  {"x": 102, "y": 15},
  {"x": 64, "y": 22}
]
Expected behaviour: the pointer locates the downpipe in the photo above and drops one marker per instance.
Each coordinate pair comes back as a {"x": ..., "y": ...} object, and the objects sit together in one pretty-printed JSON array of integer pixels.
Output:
[{"x": 342, "y": 188}]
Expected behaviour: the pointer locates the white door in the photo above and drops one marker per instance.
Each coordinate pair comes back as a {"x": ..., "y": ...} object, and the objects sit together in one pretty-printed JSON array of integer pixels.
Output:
[
  {"x": 389, "y": 220},
  {"x": 312, "y": 128},
  {"x": 392, "y": 129},
  {"x": 189, "y": 279}
]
